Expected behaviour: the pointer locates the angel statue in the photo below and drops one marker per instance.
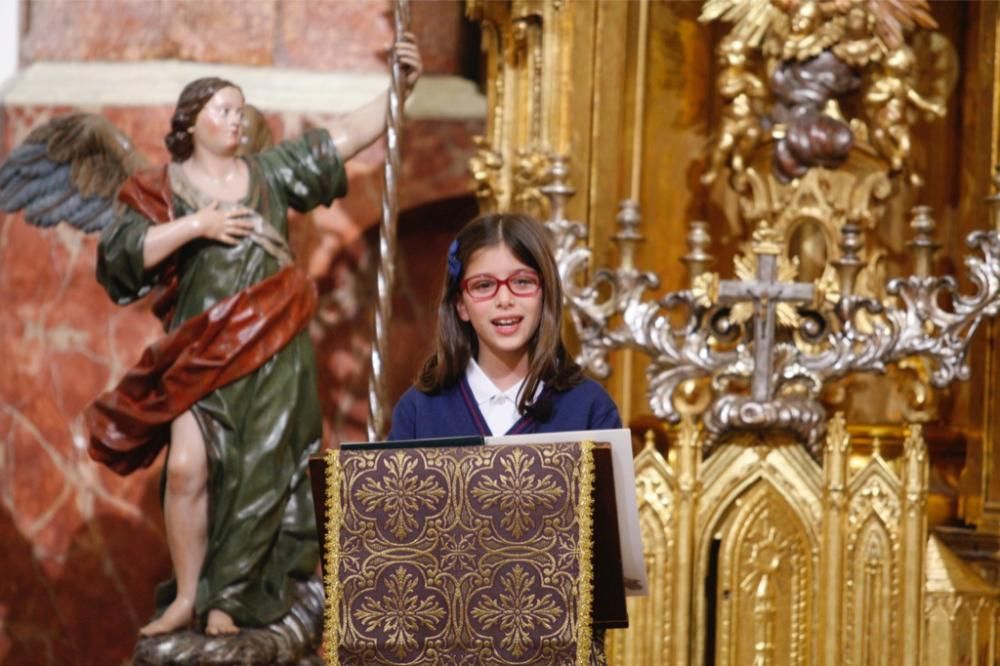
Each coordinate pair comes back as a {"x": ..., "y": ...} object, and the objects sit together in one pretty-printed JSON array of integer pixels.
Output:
[
  {"x": 230, "y": 389},
  {"x": 742, "y": 94},
  {"x": 891, "y": 100}
]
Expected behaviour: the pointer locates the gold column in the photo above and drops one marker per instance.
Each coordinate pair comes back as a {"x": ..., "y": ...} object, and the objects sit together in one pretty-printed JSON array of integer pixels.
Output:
[
  {"x": 689, "y": 484},
  {"x": 831, "y": 559},
  {"x": 542, "y": 98},
  {"x": 914, "y": 539}
]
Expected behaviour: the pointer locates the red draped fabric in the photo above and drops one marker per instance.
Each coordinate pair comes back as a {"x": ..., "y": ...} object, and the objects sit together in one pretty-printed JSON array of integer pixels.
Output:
[{"x": 131, "y": 423}]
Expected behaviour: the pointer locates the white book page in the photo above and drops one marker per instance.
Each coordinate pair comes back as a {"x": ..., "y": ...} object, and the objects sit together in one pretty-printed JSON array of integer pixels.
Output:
[{"x": 630, "y": 538}]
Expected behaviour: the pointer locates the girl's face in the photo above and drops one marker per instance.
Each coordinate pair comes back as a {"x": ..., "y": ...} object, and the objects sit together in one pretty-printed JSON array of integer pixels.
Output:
[
  {"x": 504, "y": 322},
  {"x": 219, "y": 124}
]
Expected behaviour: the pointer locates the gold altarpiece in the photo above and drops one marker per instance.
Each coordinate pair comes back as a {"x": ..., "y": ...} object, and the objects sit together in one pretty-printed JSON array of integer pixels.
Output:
[{"x": 879, "y": 541}]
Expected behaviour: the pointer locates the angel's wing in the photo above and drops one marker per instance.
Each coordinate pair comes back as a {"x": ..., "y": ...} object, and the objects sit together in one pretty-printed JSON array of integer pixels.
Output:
[
  {"x": 751, "y": 19},
  {"x": 894, "y": 17},
  {"x": 68, "y": 170}
]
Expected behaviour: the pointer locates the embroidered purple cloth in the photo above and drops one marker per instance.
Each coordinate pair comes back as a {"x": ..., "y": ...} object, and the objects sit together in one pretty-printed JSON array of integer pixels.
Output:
[{"x": 459, "y": 555}]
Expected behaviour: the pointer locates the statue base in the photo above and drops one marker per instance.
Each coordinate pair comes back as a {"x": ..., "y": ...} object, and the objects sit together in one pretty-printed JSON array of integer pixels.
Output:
[{"x": 294, "y": 639}]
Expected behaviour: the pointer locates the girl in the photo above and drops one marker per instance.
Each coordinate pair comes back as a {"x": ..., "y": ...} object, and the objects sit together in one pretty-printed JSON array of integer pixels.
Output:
[{"x": 500, "y": 366}]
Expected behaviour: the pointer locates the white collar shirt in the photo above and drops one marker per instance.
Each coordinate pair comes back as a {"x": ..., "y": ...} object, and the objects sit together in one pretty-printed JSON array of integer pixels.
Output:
[{"x": 499, "y": 408}]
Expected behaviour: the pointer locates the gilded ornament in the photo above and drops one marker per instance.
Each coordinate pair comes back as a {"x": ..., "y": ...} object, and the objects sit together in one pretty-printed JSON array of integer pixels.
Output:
[
  {"x": 485, "y": 166},
  {"x": 858, "y": 31},
  {"x": 890, "y": 102},
  {"x": 531, "y": 173},
  {"x": 826, "y": 290},
  {"x": 705, "y": 289},
  {"x": 743, "y": 94}
]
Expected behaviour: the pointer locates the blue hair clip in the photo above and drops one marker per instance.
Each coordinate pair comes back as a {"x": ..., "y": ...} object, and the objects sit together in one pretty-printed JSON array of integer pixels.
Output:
[{"x": 454, "y": 265}]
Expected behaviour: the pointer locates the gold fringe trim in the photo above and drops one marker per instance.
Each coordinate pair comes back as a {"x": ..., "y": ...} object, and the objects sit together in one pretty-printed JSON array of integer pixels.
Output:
[
  {"x": 331, "y": 563},
  {"x": 585, "y": 517}
]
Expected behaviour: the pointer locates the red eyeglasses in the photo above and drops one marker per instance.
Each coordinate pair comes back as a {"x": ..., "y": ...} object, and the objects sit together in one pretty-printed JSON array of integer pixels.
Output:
[{"x": 482, "y": 287}]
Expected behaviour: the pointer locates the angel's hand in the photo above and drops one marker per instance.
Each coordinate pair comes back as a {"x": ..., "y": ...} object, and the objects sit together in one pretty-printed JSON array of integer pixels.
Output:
[
  {"x": 224, "y": 226},
  {"x": 409, "y": 57}
]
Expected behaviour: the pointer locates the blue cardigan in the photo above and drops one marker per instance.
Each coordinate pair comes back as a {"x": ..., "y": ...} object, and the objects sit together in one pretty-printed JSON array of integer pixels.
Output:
[{"x": 453, "y": 412}]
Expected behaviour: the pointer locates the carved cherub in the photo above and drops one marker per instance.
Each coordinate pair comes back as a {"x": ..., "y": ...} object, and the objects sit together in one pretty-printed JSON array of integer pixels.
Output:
[
  {"x": 858, "y": 31},
  {"x": 742, "y": 93},
  {"x": 889, "y": 102}
]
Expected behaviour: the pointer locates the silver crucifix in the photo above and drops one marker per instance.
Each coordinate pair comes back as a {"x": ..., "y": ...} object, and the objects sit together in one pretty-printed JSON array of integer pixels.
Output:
[{"x": 766, "y": 292}]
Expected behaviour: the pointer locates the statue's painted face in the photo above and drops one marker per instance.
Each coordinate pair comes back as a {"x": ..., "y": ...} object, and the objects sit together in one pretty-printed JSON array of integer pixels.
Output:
[{"x": 219, "y": 125}]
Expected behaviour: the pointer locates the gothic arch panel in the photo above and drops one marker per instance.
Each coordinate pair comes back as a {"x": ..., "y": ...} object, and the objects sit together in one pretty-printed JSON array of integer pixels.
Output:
[
  {"x": 766, "y": 572},
  {"x": 871, "y": 623},
  {"x": 760, "y": 499}
]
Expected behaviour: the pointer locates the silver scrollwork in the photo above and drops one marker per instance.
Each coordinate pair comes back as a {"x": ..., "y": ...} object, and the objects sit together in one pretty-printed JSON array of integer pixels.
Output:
[{"x": 688, "y": 335}]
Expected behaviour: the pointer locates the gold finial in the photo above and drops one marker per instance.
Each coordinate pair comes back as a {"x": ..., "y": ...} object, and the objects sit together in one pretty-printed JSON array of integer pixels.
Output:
[
  {"x": 923, "y": 244},
  {"x": 849, "y": 263},
  {"x": 558, "y": 189},
  {"x": 698, "y": 258},
  {"x": 628, "y": 236}
]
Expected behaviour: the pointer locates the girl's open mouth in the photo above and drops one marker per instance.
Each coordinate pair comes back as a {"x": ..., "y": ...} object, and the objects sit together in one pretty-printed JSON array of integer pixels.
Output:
[{"x": 507, "y": 325}]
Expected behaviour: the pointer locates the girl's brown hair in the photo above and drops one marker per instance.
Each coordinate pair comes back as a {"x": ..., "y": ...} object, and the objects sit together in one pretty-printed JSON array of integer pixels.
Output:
[
  {"x": 192, "y": 100},
  {"x": 456, "y": 340}
]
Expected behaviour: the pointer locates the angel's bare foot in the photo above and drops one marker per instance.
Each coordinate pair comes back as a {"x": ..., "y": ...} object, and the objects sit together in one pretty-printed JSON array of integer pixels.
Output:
[
  {"x": 177, "y": 616},
  {"x": 220, "y": 623}
]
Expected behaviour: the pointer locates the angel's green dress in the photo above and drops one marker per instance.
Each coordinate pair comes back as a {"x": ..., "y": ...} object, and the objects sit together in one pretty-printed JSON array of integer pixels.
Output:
[{"x": 260, "y": 429}]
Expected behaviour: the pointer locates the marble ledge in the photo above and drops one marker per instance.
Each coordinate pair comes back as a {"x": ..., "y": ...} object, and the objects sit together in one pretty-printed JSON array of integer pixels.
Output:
[{"x": 94, "y": 85}]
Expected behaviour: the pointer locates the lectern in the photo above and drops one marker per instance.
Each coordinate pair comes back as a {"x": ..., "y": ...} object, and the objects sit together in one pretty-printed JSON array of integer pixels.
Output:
[{"x": 456, "y": 552}]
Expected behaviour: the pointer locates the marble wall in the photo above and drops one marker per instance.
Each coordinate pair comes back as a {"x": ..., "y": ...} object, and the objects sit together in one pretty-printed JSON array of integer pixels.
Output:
[
  {"x": 309, "y": 34},
  {"x": 81, "y": 547}
]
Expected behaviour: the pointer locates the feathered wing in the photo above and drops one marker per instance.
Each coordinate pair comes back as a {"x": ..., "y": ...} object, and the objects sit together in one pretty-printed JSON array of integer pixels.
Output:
[
  {"x": 894, "y": 17},
  {"x": 751, "y": 19},
  {"x": 68, "y": 170}
]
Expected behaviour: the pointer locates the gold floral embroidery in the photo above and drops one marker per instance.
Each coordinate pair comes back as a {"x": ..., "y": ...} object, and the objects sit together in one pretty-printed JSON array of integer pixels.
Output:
[
  {"x": 457, "y": 553},
  {"x": 401, "y": 494},
  {"x": 400, "y": 613},
  {"x": 460, "y": 660},
  {"x": 427, "y": 535},
  {"x": 518, "y": 611},
  {"x": 350, "y": 550},
  {"x": 517, "y": 493},
  {"x": 567, "y": 552}
]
